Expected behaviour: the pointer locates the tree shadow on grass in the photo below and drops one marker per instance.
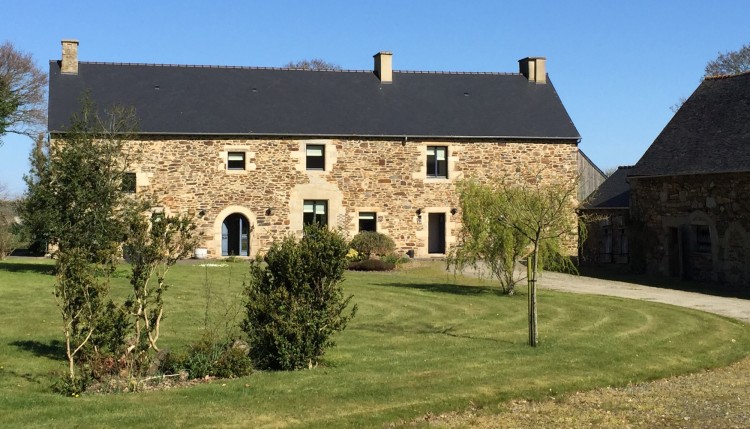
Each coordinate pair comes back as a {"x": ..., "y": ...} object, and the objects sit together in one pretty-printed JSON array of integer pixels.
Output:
[
  {"x": 397, "y": 328},
  {"x": 55, "y": 349},
  {"x": 25, "y": 267},
  {"x": 455, "y": 289}
]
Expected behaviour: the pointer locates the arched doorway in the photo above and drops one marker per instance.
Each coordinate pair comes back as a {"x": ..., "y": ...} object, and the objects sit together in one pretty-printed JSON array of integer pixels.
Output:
[{"x": 235, "y": 236}]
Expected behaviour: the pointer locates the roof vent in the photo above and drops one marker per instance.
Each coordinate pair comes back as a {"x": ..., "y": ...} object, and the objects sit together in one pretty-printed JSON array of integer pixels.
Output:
[
  {"x": 69, "y": 56},
  {"x": 534, "y": 68},
  {"x": 384, "y": 66}
]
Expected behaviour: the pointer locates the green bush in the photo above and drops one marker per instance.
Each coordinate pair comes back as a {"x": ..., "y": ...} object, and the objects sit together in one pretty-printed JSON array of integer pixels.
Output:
[
  {"x": 295, "y": 303},
  {"x": 396, "y": 259},
  {"x": 372, "y": 265},
  {"x": 207, "y": 358},
  {"x": 368, "y": 243},
  {"x": 201, "y": 359},
  {"x": 233, "y": 362}
]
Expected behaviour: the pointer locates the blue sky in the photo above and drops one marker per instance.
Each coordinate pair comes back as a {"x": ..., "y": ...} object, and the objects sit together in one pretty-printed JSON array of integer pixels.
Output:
[{"x": 617, "y": 65}]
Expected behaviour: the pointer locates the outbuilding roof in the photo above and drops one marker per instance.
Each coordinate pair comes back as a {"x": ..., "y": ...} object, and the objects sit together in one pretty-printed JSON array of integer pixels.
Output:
[
  {"x": 709, "y": 134},
  {"x": 200, "y": 100},
  {"x": 614, "y": 193}
]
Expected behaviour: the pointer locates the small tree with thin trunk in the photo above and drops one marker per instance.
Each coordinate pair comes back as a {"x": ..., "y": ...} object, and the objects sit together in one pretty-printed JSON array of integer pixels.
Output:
[
  {"x": 545, "y": 215},
  {"x": 154, "y": 244},
  {"x": 482, "y": 241},
  {"x": 506, "y": 220}
]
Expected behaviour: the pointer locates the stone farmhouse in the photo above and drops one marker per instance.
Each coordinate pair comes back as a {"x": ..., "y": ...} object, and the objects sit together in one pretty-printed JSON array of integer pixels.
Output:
[
  {"x": 255, "y": 153},
  {"x": 690, "y": 192}
]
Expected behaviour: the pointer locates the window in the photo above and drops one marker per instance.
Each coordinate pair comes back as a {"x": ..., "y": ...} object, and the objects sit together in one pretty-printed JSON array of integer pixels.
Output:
[
  {"x": 367, "y": 221},
  {"x": 128, "y": 183},
  {"x": 702, "y": 239},
  {"x": 315, "y": 211},
  {"x": 437, "y": 161},
  {"x": 315, "y": 157},
  {"x": 236, "y": 160}
]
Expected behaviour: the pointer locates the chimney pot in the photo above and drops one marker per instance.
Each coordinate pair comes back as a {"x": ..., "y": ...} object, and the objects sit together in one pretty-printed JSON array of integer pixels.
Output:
[
  {"x": 69, "y": 56},
  {"x": 534, "y": 68},
  {"x": 384, "y": 66}
]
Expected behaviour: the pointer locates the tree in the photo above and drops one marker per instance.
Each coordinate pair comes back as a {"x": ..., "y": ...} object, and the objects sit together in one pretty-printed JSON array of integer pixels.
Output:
[
  {"x": 729, "y": 63},
  {"x": 295, "y": 303},
  {"x": 545, "y": 215},
  {"x": 9, "y": 230},
  {"x": 22, "y": 93},
  {"x": 313, "y": 64},
  {"x": 154, "y": 244},
  {"x": 482, "y": 241},
  {"x": 505, "y": 220},
  {"x": 73, "y": 200},
  {"x": 74, "y": 188}
]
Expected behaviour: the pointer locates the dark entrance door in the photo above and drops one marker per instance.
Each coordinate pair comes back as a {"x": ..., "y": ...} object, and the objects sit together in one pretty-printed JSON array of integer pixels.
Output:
[
  {"x": 235, "y": 236},
  {"x": 436, "y": 233}
]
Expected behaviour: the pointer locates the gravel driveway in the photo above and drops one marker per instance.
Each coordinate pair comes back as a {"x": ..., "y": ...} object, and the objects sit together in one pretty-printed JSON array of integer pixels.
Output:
[{"x": 735, "y": 308}]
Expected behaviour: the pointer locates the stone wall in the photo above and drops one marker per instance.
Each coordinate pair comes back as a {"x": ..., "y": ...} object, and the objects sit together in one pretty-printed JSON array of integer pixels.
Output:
[
  {"x": 383, "y": 176},
  {"x": 700, "y": 224}
]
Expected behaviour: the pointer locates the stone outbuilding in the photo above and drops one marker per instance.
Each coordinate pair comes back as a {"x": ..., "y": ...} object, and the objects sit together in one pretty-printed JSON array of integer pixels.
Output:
[
  {"x": 254, "y": 153},
  {"x": 690, "y": 192},
  {"x": 607, "y": 213}
]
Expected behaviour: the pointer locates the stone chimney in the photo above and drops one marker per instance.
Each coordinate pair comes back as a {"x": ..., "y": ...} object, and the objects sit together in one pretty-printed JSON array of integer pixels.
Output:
[
  {"x": 384, "y": 66},
  {"x": 69, "y": 56},
  {"x": 534, "y": 68}
]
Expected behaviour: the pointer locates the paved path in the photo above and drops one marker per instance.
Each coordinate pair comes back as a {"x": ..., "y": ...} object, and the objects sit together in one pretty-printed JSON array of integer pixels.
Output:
[{"x": 735, "y": 308}]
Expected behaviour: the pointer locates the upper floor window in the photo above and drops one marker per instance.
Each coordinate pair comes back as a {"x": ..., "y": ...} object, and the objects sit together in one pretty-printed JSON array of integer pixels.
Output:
[
  {"x": 128, "y": 183},
  {"x": 236, "y": 160},
  {"x": 315, "y": 157},
  {"x": 437, "y": 161},
  {"x": 368, "y": 221},
  {"x": 315, "y": 211}
]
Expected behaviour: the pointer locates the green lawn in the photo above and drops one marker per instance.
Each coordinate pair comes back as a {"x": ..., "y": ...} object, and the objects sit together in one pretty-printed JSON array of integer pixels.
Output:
[{"x": 423, "y": 341}]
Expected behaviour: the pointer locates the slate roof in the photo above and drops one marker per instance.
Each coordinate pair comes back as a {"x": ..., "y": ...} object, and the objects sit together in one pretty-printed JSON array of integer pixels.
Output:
[
  {"x": 709, "y": 134},
  {"x": 171, "y": 99},
  {"x": 614, "y": 193}
]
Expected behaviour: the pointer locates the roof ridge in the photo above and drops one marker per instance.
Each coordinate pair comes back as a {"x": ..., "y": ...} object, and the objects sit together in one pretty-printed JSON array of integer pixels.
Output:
[
  {"x": 726, "y": 76},
  {"x": 115, "y": 63},
  {"x": 457, "y": 72}
]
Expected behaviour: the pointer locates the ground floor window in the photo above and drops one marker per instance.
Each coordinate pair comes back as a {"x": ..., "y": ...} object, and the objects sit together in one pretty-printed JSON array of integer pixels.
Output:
[
  {"x": 315, "y": 211},
  {"x": 128, "y": 183},
  {"x": 368, "y": 221},
  {"x": 702, "y": 238}
]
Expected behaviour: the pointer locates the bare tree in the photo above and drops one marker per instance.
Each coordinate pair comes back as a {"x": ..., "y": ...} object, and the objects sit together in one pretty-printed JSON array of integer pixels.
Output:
[
  {"x": 727, "y": 63},
  {"x": 22, "y": 93},
  {"x": 313, "y": 64}
]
